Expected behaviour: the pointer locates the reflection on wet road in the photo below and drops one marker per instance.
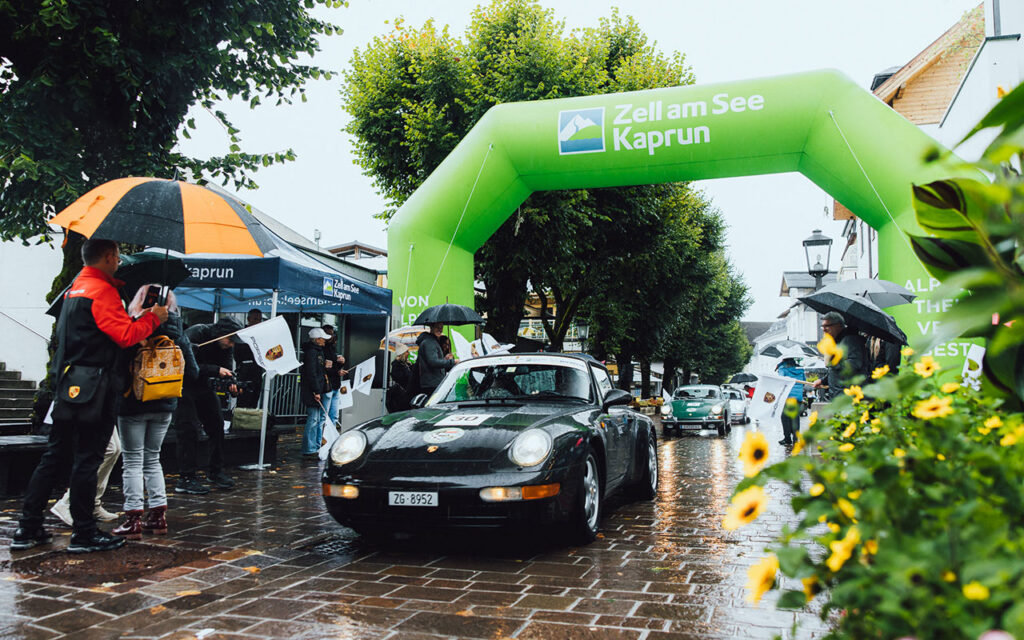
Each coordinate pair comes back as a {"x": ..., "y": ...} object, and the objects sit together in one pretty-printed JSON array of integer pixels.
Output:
[{"x": 272, "y": 564}]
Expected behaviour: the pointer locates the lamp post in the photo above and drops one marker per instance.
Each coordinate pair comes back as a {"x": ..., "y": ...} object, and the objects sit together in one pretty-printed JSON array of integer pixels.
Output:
[
  {"x": 815, "y": 244},
  {"x": 817, "y": 269}
]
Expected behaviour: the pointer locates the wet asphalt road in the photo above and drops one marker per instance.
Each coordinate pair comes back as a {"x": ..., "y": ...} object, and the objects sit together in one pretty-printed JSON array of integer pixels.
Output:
[{"x": 266, "y": 561}]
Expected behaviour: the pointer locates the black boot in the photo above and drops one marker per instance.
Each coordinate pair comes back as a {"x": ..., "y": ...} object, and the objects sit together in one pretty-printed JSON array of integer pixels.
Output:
[
  {"x": 95, "y": 540},
  {"x": 221, "y": 480},
  {"x": 190, "y": 484},
  {"x": 26, "y": 538}
]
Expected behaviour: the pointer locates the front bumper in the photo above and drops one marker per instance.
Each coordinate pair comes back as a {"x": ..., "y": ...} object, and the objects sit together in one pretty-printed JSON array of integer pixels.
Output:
[
  {"x": 459, "y": 505},
  {"x": 694, "y": 423}
]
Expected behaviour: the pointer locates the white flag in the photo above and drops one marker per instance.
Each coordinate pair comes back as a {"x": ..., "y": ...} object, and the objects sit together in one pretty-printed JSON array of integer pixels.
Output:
[
  {"x": 463, "y": 350},
  {"x": 344, "y": 395},
  {"x": 271, "y": 344},
  {"x": 769, "y": 397},
  {"x": 666, "y": 396},
  {"x": 973, "y": 367},
  {"x": 365, "y": 371}
]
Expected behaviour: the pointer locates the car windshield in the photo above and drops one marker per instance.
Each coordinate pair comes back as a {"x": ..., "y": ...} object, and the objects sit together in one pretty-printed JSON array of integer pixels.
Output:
[
  {"x": 515, "y": 377},
  {"x": 698, "y": 393},
  {"x": 735, "y": 395}
]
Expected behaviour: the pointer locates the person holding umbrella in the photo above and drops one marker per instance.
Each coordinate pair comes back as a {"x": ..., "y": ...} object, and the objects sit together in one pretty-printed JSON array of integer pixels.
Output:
[
  {"x": 788, "y": 368},
  {"x": 854, "y": 361},
  {"x": 433, "y": 364},
  {"x": 92, "y": 330}
]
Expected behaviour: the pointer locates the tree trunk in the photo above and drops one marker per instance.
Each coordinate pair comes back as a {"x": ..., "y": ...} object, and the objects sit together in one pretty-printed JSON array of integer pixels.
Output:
[
  {"x": 645, "y": 378},
  {"x": 668, "y": 379},
  {"x": 504, "y": 305},
  {"x": 625, "y": 360}
]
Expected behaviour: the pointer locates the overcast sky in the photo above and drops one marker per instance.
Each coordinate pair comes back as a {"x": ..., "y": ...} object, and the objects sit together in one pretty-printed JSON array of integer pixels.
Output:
[{"x": 723, "y": 40}]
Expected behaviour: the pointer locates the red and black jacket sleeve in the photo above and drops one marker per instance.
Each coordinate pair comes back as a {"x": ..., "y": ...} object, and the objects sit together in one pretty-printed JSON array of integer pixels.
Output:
[{"x": 113, "y": 320}]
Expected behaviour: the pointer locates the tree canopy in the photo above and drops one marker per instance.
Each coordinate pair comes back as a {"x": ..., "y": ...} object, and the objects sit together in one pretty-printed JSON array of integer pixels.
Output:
[
  {"x": 416, "y": 92},
  {"x": 91, "y": 91}
]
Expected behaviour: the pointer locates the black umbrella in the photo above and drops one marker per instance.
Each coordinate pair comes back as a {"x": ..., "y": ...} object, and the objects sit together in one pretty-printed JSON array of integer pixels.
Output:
[
  {"x": 448, "y": 314},
  {"x": 788, "y": 349},
  {"x": 881, "y": 293},
  {"x": 150, "y": 267},
  {"x": 147, "y": 267},
  {"x": 742, "y": 377},
  {"x": 859, "y": 314}
]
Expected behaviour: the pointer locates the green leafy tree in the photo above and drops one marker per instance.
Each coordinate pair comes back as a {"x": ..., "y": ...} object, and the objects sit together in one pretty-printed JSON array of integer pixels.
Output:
[
  {"x": 91, "y": 91},
  {"x": 414, "y": 93}
]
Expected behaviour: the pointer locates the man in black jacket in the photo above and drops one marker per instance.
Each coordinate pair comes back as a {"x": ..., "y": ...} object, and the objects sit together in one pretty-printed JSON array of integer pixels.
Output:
[
  {"x": 200, "y": 405},
  {"x": 854, "y": 361},
  {"x": 432, "y": 362},
  {"x": 92, "y": 330},
  {"x": 315, "y": 385}
]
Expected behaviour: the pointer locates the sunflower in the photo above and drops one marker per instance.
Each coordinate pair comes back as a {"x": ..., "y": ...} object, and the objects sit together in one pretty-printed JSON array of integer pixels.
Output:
[
  {"x": 761, "y": 577},
  {"x": 850, "y": 430},
  {"x": 933, "y": 407},
  {"x": 812, "y": 419},
  {"x": 880, "y": 372},
  {"x": 975, "y": 591},
  {"x": 753, "y": 453},
  {"x": 926, "y": 367},
  {"x": 846, "y": 447},
  {"x": 854, "y": 392},
  {"x": 811, "y": 587},
  {"x": 950, "y": 387},
  {"x": 906, "y": 352},
  {"x": 746, "y": 506},
  {"x": 865, "y": 417},
  {"x": 853, "y": 495},
  {"x": 816, "y": 489},
  {"x": 871, "y": 546},
  {"x": 842, "y": 549},
  {"x": 1008, "y": 440},
  {"x": 993, "y": 423},
  {"x": 828, "y": 348},
  {"x": 846, "y": 507}
]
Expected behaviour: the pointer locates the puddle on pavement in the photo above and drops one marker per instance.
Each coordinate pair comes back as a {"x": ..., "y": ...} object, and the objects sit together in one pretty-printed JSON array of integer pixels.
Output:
[{"x": 131, "y": 562}]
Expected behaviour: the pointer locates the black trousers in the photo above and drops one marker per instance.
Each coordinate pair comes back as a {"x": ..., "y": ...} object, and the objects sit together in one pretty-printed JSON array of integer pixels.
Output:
[
  {"x": 197, "y": 408},
  {"x": 77, "y": 446},
  {"x": 790, "y": 426}
]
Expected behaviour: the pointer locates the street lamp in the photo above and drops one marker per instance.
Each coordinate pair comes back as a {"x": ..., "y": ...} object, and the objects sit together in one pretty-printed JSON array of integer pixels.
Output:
[{"x": 815, "y": 244}]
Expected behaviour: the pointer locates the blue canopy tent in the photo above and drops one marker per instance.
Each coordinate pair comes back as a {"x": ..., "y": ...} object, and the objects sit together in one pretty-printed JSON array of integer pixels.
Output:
[{"x": 284, "y": 280}]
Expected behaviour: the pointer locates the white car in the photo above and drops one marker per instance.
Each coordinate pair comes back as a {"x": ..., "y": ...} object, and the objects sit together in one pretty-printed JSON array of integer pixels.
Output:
[{"x": 737, "y": 406}]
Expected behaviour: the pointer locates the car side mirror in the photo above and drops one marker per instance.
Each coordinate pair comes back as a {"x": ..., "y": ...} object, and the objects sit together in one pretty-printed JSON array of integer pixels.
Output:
[
  {"x": 418, "y": 401},
  {"x": 616, "y": 397}
]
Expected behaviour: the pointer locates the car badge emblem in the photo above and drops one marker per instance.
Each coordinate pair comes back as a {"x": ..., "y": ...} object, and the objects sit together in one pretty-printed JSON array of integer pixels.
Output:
[
  {"x": 769, "y": 397},
  {"x": 445, "y": 434},
  {"x": 73, "y": 392},
  {"x": 432, "y": 448}
]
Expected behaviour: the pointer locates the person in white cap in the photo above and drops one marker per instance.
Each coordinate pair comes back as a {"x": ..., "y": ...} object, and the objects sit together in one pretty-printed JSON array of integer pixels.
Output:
[{"x": 315, "y": 385}]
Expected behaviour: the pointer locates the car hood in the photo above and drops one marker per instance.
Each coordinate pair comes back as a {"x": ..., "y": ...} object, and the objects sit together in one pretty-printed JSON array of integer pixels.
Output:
[
  {"x": 684, "y": 408},
  {"x": 475, "y": 433}
]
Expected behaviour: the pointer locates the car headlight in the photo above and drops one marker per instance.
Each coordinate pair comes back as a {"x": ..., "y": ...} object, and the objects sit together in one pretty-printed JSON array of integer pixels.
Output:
[
  {"x": 530, "y": 448},
  {"x": 716, "y": 409},
  {"x": 348, "y": 447},
  {"x": 666, "y": 410}
]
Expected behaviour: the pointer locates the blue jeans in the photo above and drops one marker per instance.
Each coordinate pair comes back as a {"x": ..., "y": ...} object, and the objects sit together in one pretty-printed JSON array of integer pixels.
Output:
[
  {"x": 332, "y": 402},
  {"x": 142, "y": 436},
  {"x": 314, "y": 431}
]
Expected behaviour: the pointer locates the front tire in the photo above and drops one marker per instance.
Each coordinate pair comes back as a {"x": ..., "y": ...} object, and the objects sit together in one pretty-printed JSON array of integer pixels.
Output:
[
  {"x": 647, "y": 487},
  {"x": 721, "y": 429},
  {"x": 587, "y": 517}
]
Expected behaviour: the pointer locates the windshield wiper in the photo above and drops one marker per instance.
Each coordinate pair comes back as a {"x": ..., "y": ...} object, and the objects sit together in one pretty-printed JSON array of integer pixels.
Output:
[{"x": 487, "y": 401}]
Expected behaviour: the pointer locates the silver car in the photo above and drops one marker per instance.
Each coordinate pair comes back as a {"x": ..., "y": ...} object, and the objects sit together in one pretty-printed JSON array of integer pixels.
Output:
[{"x": 737, "y": 406}]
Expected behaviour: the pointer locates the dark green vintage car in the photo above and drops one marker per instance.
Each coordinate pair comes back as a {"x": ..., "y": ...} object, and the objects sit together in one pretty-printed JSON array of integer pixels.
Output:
[{"x": 697, "y": 407}]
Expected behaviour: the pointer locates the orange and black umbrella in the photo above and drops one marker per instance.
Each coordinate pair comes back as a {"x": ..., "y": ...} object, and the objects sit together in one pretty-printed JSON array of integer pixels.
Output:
[{"x": 169, "y": 214}]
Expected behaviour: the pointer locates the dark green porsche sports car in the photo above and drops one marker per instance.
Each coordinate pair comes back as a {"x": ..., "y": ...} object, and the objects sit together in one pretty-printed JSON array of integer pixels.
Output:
[{"x": 697, "y": 407}]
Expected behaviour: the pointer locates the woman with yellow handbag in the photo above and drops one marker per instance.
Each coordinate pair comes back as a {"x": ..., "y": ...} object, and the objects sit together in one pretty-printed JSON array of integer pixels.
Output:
[{"x": 159, "y": 367}]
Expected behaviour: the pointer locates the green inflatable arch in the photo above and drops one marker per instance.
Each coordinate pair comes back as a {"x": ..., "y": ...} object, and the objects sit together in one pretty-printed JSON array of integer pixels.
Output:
[{"x": 820, "y": 124}]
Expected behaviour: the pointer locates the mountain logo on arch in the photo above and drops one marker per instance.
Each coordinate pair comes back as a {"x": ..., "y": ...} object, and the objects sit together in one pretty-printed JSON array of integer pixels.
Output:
[{"x": 581, "y": 131}]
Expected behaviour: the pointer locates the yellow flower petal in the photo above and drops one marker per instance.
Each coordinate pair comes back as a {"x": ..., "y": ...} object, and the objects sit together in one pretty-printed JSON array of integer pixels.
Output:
[
  {"x": 950, "y": 387},
  {"x": 871, "y": 546},
  {"x": 933, "y": 407},
  {"x": 846, "y": 507},
  {"x": 993, "y": 423},
  {"x": 926, "y": 367},
  {"x": 812, "y": 419},
  {"x": 754, "y": 453},
  {"x": 975, "y": 591},
  {"x": 899, "y": 453},
  {"x": 745, "y": 507},
  {"x": 854, "y": 392},
  {"x": 761, "y": 578},
  {"x": 816, "y": 489},
  {"x": 853, "y": 495},
  {"x": 880, "y": 372},
  {"x": 846, "y": 447},
  {"x": 906, "y": 352},
  {"x": 948, "y": 576}
]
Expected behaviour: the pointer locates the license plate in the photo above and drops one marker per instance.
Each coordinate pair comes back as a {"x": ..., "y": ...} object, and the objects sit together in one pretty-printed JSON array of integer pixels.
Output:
[{"x": 412, "y": 499}]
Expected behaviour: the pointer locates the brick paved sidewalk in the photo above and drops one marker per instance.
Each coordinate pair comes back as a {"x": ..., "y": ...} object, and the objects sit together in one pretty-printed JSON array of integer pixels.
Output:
[{"x": 266, "y": 561}]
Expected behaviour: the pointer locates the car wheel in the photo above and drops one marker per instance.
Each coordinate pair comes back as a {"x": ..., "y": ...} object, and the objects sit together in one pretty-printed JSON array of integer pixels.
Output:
[
  {"x": 647, "y": 487},
  {"x": 746, "y": 419},
  {"x": 721, "y": 429},
  {"x": 587, "y": 516}
]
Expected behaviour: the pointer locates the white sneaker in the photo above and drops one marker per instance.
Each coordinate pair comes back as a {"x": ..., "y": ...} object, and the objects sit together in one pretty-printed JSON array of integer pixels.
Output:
[
  {"x": 62, "y": 510},
  {"x": 103, "y": 515}
]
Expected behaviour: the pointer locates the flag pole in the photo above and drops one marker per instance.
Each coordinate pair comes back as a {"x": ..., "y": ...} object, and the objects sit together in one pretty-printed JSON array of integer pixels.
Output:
[{"x": 267, "y": 376}]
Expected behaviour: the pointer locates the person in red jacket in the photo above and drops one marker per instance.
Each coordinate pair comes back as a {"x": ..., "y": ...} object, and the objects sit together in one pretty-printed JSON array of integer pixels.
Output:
[{"x": 92, "y": 330}]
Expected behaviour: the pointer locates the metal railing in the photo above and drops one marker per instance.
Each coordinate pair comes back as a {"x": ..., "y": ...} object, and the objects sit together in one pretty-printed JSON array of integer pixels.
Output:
[{"x": 285, "y": 400}]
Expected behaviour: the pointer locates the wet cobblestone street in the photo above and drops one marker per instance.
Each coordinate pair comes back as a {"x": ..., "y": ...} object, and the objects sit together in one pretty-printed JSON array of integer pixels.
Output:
[{"x": 266, "y": 561}]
